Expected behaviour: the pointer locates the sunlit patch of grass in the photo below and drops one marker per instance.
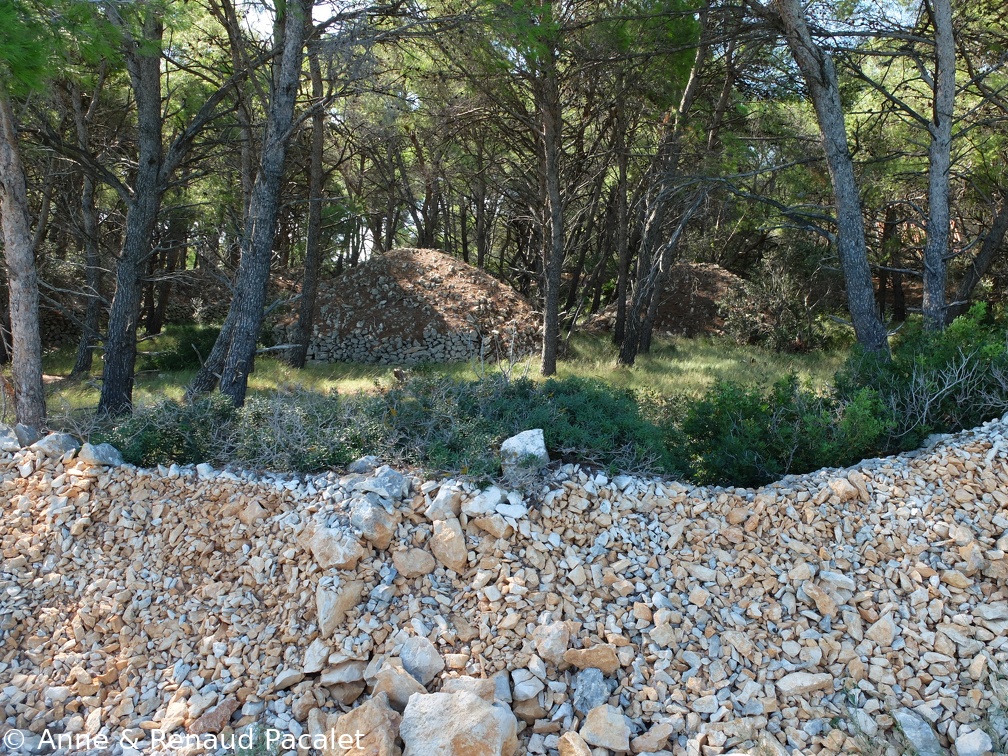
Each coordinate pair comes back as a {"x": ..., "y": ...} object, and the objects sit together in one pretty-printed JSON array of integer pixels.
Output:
[{"x": 677, "y": 365}]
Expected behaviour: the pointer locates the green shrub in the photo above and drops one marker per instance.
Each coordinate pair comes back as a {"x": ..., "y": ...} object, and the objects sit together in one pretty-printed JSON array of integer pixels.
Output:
[
  {"x": 936, "y": 382},
  {"x": 170, "y": 432},
  {"x": 747, "y": 436},
  {"x": 187, "y": 346}
]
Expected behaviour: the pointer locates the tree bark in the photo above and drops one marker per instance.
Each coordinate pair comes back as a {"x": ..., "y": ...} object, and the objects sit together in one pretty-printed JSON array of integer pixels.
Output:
[
  {"x": 820, "y": 77},
  {"x": 234, "y": 351},
  {"x": 980, "y": 264},
  {"x": 548, "y": 92},
  {"x": 89, "y": 228},
  {"x": 313, "y": 244},
  {"x": 22, "y": 277},
  {"x": 936, "y": 248},
  {"x": 143, "y": 61}
]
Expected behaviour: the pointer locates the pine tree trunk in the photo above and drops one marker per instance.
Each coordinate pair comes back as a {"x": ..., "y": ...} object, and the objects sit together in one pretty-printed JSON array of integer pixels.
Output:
[
  {"x": 144, "y": 65},
  {"x": 553, "y": 246},
  {"x": 936, "y": 249},
  {"x": 237, "y": 342},
  {"x": 980, "y": 264},
  {"x": 92, "y": 270},
  {"x": 22, "y": 278},
  {"x": 821, "y": 79},
  {"x": 313, "y": 244}
]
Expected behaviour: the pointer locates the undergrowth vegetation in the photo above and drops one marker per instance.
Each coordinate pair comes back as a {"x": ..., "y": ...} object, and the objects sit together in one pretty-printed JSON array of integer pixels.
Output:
[{"x": 733, "y": 433}]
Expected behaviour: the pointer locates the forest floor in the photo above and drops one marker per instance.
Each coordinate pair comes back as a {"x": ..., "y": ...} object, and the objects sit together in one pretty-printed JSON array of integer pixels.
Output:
[{"x": 675, "y": 365}]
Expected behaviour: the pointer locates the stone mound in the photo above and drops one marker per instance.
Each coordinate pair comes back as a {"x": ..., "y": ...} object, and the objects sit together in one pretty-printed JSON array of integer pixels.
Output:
[
  {"x": 591, "y": 615},
  {"x": 688, "y": 305},
  {"x": 417, "y": 305}
]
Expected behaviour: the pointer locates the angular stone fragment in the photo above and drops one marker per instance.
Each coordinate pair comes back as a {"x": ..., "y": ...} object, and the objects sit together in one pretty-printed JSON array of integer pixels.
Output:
[
  {"x": 374, "y": 522},
  {"x": 448, "y": 544},
  {"x": 800, "y": 683},
  {"x": 333, "y": 548},
  {"x": 921, "y": 737},
  {"x": 398, "y": 685},
  {"x": 421, "y": 659},
  {"x": 552, "y": 642},
  {"x": 602, "y": 656},
  {"x": 457, "y": 724},
  {"x": 413, "y": 563},
  {"x": 572, "y": 744},
  {"x": 216, "y": 719},
  {"x": 606, "y": 727},
  {"x": 369, "y": 730},
  {"x": 332, "y": 606},
  {"x": 98, "y": 455}
]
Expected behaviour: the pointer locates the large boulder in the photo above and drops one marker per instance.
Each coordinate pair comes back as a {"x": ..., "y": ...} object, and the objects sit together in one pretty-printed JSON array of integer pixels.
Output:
[
  {"x": 100, "y": 455},
  {"x": 457, "y": 724},
  {"x": 8, "y": 439}
]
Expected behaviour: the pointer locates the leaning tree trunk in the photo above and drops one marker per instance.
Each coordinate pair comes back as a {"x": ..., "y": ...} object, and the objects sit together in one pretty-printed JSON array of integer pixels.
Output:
[
  {"x": 820, "y": 76},
  {"x": 313, "y": 244},
  {"x": 234, "y": 351},
  {"x": 980, "y": 264},
  {"x": 936, "y": 249},
  {"x": 22, "y": 278}
]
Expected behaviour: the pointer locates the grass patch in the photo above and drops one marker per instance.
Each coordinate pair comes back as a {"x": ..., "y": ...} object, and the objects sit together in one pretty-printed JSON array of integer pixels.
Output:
[{"x": 676, "y": 366}]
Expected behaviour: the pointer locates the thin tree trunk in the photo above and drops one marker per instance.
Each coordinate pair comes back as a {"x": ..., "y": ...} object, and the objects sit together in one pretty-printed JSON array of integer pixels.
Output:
[
  {"x": 936, "y": 249},
  {"x": 22, "y": 278},
  {"x": 820, "y": 77},
  {"x": 89, "y": 227},
  {"x": 553, "y": 243},
  {"x": 623, "y": 252},
  {"x": 980, "y": 264},
  {"x": 890, "y": 240},
  {"x": 313, "y": 244}
]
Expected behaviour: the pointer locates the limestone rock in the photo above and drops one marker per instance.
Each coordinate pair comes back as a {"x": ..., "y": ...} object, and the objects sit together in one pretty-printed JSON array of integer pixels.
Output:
[
  {"x": 800, "y": 683},
  {"x": 8, "y": 439},
  {"x": 482, "y": 687},
  {"x": 421, "y": 659},
  {"x": 385, "y": 482},
  {"x": 572, "y": 744},
  {"x": 373, "y": 522},
  {"x": 98, "y": 455},
  {"x": 413, "y": 563},
  {"x": 56, "y": 445},
  {"x": 606, "y": 727},
  {"x": 918, "y": 732},
  {"x": 552, "y": 642},
  {"x": 883, "y": 631},
  {"x": 447, "y": 503},
  {"x": 525, "y": 451},
  {"x": 602, "y": 656},
  {"x": 332, "y": 605},
  {"x": 976, "y": 743},
  {"x": 448, "y": 544},
  {"x": 398, "y": 685},
  {"x": 369, "y": 730},
  {"x": 457, "y": 724},
  {"x": 216, "y": 719},
  {"x": 334, "y": 548}
]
